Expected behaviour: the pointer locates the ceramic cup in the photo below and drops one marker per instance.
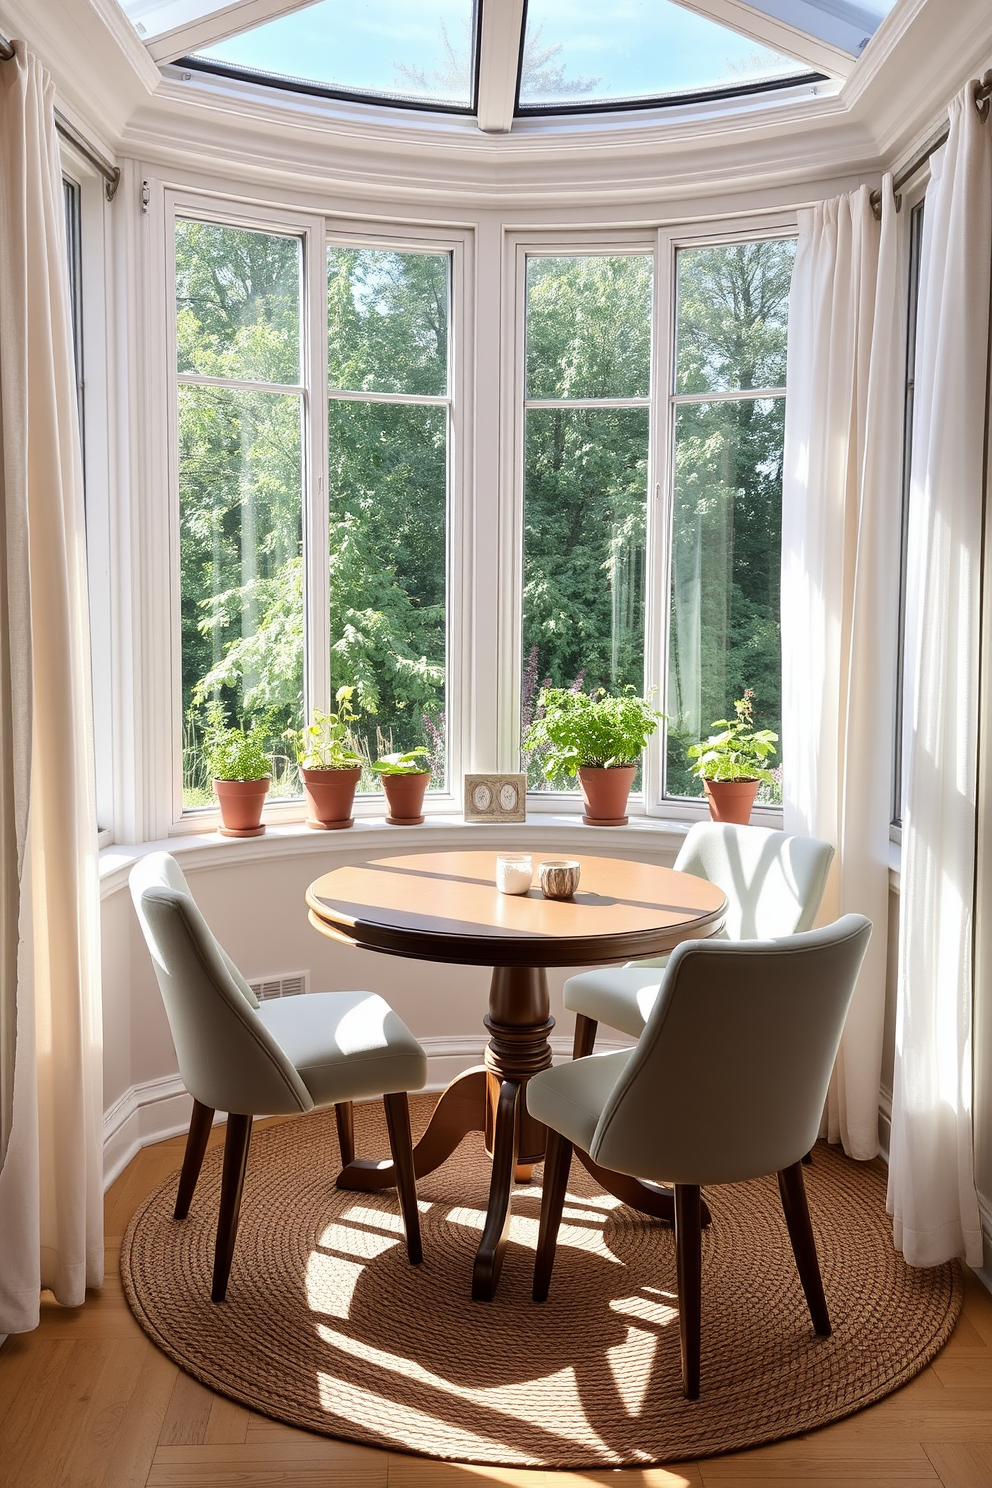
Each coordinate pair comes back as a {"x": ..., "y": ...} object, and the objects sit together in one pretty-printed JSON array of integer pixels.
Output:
[
  {"x": 559, "y": 878},
  {"x": 514, "y": 873}
]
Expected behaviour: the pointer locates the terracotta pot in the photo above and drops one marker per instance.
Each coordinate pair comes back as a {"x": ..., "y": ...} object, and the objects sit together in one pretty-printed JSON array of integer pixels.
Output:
[
  {"x": 330, "y": 797},
  {"x": 605, "y": 793},
  {"x": 405, "y": 797},
  {"x": 731, "y": 800},
  {"x": 241, "y": 803}
]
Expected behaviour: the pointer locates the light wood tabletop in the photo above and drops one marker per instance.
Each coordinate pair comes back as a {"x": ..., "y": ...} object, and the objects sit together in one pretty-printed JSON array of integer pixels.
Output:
[{"x": 445, "y": 906}]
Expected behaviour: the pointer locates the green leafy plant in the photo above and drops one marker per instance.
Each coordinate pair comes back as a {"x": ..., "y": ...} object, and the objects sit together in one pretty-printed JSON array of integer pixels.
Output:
[
  {"x": 574, "y": 729},
  {"x": 402, "y": 764},
  {"x": 235, "y": 753},
  {"x": 327, "y": 742},
  {"x": 739, "y": 751}
]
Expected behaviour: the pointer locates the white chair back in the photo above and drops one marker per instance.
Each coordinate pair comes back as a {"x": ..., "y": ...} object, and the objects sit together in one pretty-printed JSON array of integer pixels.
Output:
[
  {"x": 729, "y": 1078},
  {"x": 227, "y": 1058},
  {"x": 773, "y": 881}
]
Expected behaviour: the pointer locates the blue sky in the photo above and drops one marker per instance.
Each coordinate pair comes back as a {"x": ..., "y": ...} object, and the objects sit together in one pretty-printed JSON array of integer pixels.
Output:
[{"x": 634, "y": 48}]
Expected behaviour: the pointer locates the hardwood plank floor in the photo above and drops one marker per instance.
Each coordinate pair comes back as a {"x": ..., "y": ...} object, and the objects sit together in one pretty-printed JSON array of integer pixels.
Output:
[{"x": 86, "y": 1401}]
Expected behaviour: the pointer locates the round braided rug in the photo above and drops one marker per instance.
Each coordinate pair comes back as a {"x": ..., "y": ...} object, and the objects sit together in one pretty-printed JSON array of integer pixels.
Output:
[{"x": 327, "y": 1326}]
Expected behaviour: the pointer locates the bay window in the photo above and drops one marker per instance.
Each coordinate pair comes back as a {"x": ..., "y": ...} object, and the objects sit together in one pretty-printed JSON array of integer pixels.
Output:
[{"x": 319, "y": 460}]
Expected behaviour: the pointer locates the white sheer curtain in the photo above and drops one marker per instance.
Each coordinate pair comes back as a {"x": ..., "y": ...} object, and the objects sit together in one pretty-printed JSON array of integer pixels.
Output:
[
  {"x": 51, "y": 1224},
  {"x": 931, "y": 1172},
  {"x": 840, "y": 556}
]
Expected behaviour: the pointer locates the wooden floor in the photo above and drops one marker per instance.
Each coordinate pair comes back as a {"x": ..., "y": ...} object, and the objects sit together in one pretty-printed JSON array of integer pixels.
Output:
[{"x": 87, "y": 1400}]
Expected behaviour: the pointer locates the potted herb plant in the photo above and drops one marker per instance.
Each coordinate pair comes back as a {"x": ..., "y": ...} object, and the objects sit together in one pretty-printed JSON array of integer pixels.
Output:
[
  {"x": 405, "y": 780},
  {"x": 600, "y": 739},
  {"x": 329, "y": 763},
  {"x": 241, "y": 771},
  {"x": 731, "y": 763}
]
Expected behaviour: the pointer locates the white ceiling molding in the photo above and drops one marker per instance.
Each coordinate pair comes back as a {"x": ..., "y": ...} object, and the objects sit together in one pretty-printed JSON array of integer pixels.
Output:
[
  {"x": 778, "y": 34},
  {"x": 499, "y": 58},
  {"x": 101, "y": 71},
  {"x": 228, "y": 20},
  {"x": 374, "y": 157}
]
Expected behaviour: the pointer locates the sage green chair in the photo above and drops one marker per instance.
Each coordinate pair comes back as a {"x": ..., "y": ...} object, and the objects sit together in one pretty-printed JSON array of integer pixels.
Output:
[
  {"x": 276, "y": 1058},
  {"x": 773, "y": 882},
  {"x": 727, "y": 1082}
]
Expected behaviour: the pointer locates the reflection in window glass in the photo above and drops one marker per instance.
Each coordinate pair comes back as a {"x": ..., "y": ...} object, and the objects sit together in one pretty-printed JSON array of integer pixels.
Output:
[
  {"x": 240, "y": 490},
  {"x": 388, "y": 49},
  {"x": 724, "y": 630},
  {"x": 580, "y": 52},
  {"x": 388, "y": 319},
  {"x": 585, "y": 479}
]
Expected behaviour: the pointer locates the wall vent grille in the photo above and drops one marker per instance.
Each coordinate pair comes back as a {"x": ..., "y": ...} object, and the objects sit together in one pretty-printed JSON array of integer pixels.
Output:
[{"x": 286, "y": 984}]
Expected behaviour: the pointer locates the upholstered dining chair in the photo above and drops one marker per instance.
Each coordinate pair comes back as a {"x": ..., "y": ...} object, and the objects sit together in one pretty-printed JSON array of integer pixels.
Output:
[
  {"x": 773, "y": 882},
  {"x": 727, "y": 1082},
  {"x": 281, "y": 1057}
]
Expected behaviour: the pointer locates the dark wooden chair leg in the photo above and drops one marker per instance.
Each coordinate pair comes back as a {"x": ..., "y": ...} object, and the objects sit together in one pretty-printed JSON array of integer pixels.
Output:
[
  {"x": 401, "y": 1147},
  {"x": 689, "y": 1270},
  {"x": 808, "y": 1159},
  {"x": 196, "y": 1145},
  {"x": 231, "y": 1188},
  {"x": 344, "y": 1116},
  {"x": 793, "y": 1191},
  {"x": 585, "y": 1036},
  {"x": 557, "y": 1161}
]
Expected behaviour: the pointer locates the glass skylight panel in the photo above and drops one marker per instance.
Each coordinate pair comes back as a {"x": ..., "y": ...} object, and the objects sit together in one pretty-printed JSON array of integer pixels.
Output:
[
  {"x": 849, "y": 26},
  {"x": 390, "y": 49},
  {"x": 152, "y": 18},
  {"x": 580, "y": 52}
]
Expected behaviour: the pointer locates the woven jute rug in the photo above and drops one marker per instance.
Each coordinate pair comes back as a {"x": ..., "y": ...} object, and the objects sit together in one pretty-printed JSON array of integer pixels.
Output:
[{"x": 327, "y": 1326}]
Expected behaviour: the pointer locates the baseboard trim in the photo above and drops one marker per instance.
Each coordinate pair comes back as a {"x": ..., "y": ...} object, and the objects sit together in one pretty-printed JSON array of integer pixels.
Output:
[{"x": 154, "y": 1110}]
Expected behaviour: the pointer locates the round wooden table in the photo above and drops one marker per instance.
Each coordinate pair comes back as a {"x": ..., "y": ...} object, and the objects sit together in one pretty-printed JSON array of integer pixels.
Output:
[{"x": 445, "y": 906}]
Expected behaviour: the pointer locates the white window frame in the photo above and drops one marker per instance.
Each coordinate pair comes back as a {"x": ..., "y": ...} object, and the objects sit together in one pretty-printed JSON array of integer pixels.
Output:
[
  {"x": 97, "y": 360},
  {"x": 317, "y": 233},
  {"x": 663, "y": 243}
]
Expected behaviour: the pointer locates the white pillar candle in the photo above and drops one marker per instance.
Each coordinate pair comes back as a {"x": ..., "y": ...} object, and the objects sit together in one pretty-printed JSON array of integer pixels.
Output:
[{"x": 514, "y": 873}]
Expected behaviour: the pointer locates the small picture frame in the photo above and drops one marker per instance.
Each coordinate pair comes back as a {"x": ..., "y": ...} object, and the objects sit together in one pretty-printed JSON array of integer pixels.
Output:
[{"x": 495, "y": 798}]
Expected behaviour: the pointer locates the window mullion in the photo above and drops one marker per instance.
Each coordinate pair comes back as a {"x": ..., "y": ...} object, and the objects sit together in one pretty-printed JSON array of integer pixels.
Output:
[{"x": 316, "y": 521}]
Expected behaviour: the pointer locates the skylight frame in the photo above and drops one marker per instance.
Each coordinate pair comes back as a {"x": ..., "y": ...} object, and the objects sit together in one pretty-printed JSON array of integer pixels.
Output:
[
  {"x": 314, "y": 89},
  {"x": 671, "y": 99}
]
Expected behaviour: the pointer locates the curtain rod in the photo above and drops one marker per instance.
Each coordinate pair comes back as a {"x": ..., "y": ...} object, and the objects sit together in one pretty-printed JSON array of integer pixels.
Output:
[
  {"x": 110, "y": 173},
  {"x": 983, "y": 92}
]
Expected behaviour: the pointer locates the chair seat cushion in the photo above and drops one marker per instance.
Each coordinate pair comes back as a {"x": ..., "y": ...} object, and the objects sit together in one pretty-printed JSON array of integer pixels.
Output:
[
  {"x": 570, "y": 1098},
  {"x": 620, "y": 996},
  {"x": 346, "y": 1045}
]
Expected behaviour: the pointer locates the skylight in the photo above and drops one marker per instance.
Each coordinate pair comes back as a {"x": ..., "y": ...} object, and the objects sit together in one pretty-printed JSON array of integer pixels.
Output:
[
  {"x": 421, "y": 52},
  {"x": 580, "y": 52}
]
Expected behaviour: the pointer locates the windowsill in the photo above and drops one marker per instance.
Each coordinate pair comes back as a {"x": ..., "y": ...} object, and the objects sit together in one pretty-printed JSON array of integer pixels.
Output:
[{"x": 543, "y": 832}]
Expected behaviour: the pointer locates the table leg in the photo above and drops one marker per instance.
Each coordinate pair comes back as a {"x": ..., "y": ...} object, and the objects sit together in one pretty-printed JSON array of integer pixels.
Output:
[
  {"x": 461, "y": 1109},
  {"x": 489, "y": 1256},
  {"x": 647, "y": 1198}
]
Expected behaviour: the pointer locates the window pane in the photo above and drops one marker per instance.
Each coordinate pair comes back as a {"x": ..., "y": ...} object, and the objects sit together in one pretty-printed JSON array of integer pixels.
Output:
[
  {"x": 422, "y": 53},
  {"x": 387, "y": 321},
  {"x": 388, "y": 466},
  {"x": 585, "y": 507},
  {"x": 240, "y": 494},
  {"x": 583, "y": 52},
  {"x": 733, "y": 315},
  {"x": 589, "y": 327},
  {"x": 726, "y": 541},
  {"x": 238, "y": 303}
]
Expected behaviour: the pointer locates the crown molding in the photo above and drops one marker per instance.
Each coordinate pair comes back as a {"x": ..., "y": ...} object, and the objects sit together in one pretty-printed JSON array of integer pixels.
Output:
[
  {"x": 389, "y": 154},
  {"x": 100, "y": 69}
]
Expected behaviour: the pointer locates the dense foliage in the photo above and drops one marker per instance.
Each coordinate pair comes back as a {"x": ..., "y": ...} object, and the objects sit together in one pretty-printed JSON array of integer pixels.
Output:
[{"x": 235, "y": 753}]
